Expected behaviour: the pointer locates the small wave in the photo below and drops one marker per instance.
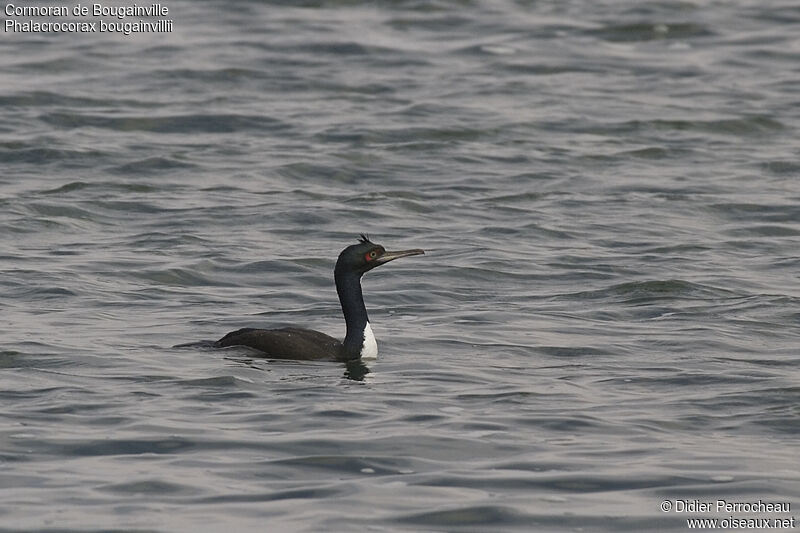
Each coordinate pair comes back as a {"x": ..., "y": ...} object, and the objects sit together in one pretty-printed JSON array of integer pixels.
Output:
[
  {"x": 649, "y": 31},
  {"x": 150, "y": 165},
  {"x": 489, "y": 516},
  {"x": 652, "y": 290},
  {"x": 220, "y": 123},
  {"x": 26, "y": 153}
]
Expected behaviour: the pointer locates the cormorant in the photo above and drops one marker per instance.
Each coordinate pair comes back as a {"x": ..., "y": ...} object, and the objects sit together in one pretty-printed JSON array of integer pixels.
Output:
[{"x": 301, "y": 343}]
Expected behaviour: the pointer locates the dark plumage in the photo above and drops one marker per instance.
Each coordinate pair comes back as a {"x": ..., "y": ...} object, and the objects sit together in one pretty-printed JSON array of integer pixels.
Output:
[
  {"x": 284, "y": 343},
  {"x": 307, "y": 344}
]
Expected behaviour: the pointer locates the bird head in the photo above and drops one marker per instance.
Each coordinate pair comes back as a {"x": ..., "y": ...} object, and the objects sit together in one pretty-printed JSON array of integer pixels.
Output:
[{"x": 366, "y": 255}]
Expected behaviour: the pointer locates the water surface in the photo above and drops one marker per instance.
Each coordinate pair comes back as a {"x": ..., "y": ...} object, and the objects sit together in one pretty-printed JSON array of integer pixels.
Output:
[{"x": 607, "y": 315}]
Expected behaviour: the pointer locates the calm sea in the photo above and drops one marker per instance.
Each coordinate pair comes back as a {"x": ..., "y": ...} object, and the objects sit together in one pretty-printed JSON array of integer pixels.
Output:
[{"x": 603, "y": 335}]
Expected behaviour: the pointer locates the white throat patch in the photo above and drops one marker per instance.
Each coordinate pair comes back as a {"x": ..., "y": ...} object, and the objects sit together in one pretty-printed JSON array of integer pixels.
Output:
[{"x": 369, "y": 350}]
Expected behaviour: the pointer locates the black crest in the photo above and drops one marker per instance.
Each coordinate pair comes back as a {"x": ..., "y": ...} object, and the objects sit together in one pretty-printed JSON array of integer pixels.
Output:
[{"x": 364, "y": 239}]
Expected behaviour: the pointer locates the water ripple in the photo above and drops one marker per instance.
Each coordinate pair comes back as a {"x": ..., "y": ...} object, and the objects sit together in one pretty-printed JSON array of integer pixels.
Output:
[{"x": 606, "y": 315}]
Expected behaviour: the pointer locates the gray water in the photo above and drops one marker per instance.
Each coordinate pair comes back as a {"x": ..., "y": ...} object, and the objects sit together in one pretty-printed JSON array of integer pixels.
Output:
[{"x": 607, "y": 315}]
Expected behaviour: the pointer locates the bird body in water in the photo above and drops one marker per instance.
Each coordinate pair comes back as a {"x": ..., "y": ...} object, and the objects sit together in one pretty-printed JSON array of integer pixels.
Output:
[{"x": 300, "y": 343}]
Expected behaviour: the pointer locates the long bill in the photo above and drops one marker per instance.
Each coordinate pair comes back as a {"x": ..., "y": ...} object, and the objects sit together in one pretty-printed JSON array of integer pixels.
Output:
[{"x": 391, "y": 256}]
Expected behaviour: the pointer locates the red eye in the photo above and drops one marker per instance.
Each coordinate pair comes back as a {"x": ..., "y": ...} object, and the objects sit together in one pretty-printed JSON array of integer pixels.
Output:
[{"x": 371, "y": 255}]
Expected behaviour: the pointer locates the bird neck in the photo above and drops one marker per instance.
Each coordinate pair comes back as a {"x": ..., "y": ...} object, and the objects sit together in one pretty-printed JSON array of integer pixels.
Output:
[{"x": 348, "y": 285}]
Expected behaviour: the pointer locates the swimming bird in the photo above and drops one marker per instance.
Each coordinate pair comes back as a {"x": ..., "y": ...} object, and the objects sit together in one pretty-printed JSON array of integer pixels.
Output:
[{"x": 300, "y": 343}]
